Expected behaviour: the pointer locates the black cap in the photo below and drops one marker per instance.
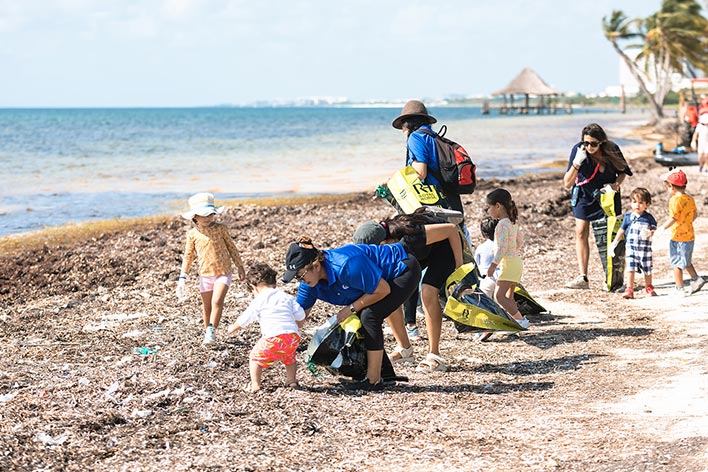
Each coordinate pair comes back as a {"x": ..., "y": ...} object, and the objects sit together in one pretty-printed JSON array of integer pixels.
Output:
[{"x": 297, "y": 258}]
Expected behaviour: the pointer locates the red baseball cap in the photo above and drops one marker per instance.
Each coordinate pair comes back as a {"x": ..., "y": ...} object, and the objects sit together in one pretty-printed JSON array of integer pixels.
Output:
[{"x": 675, "y": 177}]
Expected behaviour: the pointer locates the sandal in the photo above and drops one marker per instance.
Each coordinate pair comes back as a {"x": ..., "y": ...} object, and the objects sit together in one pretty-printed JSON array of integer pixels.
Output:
[
  {"x": 432, "y": 363},
  {"x": 400, "y": 354}
]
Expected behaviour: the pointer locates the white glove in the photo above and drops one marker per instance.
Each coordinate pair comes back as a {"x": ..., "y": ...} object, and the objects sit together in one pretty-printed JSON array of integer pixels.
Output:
[
  {"x": 607, "y": 188},
  {"x": 182, "y": 291},
  {"x": 580, "y": 156},
  {"x": 645, "y": 233},
  {"x": 613, "y": 246}
]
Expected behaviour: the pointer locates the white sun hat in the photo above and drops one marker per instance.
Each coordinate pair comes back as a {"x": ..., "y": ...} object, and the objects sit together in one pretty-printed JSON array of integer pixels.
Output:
[
  {"x": 202, "y": 204},
  {"x": 703, "y": 119}
]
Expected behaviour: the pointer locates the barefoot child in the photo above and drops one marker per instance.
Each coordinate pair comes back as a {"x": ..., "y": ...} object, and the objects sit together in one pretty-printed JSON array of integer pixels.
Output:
[
  {"x": 279, "y": 316},
  {"x": 214, "y": 250},
  {"x": 638, "y": 226},
  {"x": 507, "y": 251},
  {"x": 682, "y": 212}
]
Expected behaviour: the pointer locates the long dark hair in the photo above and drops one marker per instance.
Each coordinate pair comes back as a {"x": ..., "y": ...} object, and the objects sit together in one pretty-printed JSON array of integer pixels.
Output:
[
  {"x": 607, "y": 148},
  {"x": 406, "y": 225},
  {"x": 503, "y": 196}
]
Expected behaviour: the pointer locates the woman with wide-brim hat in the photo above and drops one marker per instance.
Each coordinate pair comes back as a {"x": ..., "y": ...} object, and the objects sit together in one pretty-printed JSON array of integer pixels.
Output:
[
  {"x": 366, "y": 280},
  {"x": 421, "y": 149}
]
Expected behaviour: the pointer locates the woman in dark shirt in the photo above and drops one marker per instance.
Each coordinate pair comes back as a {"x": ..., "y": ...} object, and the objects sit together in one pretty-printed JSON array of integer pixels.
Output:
[
  {"x": 594, "y": 163},
  {"x": 437, "y": 246}
]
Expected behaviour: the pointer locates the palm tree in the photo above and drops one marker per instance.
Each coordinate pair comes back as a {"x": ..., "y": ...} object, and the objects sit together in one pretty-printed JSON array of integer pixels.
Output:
[{"x": 672, "y": 40}]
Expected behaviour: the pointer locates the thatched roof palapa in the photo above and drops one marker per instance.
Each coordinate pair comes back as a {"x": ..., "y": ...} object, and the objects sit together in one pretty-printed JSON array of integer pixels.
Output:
[{"x": 527, "y": 83}]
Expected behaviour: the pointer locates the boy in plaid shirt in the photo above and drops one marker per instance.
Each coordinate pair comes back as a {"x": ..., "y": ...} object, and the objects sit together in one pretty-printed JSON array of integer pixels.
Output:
[{"x": 638, "y": 227}]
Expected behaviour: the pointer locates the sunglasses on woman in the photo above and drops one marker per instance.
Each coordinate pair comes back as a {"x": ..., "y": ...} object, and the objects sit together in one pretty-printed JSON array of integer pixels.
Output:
[{"x": 591, "y": 143}]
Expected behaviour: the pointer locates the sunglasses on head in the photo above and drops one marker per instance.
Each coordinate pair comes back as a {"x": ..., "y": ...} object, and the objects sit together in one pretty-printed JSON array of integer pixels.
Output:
[{"x": 591, "y": 143}]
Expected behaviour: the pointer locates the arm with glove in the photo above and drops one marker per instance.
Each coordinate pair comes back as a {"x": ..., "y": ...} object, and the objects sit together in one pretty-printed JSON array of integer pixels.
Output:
[
  {"x": 618, "y": 238},
  {"x": 578, "y": 159}
]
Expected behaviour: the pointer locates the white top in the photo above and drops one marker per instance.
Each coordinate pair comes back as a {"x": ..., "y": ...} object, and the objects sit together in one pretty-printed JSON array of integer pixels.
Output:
[
  {"x": 276, "y": 312},
  {"x": 484, "y": 256},
  {"x": 701, "y": 135}
]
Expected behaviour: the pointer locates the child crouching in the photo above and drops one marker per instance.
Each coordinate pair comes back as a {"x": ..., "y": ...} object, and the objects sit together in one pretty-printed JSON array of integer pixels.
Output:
[{"x": 279, "y": 316}]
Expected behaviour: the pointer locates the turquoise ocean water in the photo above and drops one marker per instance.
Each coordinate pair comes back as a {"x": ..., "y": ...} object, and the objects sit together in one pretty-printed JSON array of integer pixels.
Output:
[{"x": 72, "y": 165}]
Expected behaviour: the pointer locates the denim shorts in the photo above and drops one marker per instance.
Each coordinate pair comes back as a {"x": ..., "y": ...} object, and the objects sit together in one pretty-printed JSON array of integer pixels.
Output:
[{"x": 680, "y": 254}]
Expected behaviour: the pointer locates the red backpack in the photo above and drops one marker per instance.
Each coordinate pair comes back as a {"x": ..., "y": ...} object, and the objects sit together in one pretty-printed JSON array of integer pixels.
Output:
[{"x": 457, "y": 174}]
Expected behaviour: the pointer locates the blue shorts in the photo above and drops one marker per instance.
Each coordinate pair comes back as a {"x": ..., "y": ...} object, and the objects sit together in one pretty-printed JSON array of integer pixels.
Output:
[{"x": 680, "y": 254}]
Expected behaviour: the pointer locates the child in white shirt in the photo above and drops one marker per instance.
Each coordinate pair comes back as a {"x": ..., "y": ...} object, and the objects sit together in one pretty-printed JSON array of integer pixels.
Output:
[
  {"x": 279, "y": 316},
  {"x": 484, "y": 255}
]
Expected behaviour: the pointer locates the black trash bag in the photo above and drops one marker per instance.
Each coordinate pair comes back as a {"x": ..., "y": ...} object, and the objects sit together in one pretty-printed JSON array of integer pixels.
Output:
[{"x": 341, "y": 351}]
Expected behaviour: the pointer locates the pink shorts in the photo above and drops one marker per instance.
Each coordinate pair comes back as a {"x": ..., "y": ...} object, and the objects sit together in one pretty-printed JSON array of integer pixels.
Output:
[
  {"x": 206, "y": 283},
  {"x": 282, "y": 347}
]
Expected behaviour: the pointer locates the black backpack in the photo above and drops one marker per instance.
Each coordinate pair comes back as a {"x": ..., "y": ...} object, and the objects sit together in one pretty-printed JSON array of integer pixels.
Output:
[{"x": 457, "y": 174}]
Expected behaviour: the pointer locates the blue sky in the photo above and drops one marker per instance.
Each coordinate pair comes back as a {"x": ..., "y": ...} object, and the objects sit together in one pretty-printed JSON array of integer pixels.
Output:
[{"x": 83, "y": 53}]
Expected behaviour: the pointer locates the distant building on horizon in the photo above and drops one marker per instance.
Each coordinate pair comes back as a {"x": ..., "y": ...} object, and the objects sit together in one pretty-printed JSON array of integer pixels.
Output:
[{"x": 631, "y": 86}]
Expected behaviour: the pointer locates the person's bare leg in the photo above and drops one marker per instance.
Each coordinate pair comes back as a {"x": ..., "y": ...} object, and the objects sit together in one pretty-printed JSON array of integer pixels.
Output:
[
  {"x": 206, "y": 307},
  {"x": 217, "y": 303},
  {"x": 373, "y": 367},
  {"x": 398, "y": 328},
  {"x": 678, "y": 277},
  {"x": 256, "y": 373},
  {"x": 433, "y": 317},
  {"x": 582, "y": 245},
  {"x": 502, "y": 294},
  {"x": 691, "y": 271},
  {"x": 291, "y": 375}
]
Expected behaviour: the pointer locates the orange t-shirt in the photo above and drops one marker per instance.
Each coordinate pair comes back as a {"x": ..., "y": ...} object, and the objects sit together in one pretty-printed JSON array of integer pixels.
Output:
[{"x": 682, "y": 208}]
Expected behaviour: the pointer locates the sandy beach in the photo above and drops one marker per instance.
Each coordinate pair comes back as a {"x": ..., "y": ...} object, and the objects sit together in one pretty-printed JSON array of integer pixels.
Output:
[{"x": 599, "y": 384}]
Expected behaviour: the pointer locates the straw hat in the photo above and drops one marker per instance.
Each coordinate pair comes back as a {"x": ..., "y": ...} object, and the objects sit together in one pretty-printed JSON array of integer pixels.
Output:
[
  {"x": 202, "y": 204},
  {"x": 410, "y": 109}
]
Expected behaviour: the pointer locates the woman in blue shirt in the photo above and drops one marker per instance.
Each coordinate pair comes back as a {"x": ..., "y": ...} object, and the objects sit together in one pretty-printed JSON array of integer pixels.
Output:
[
  {"x": 594, "y": 163},
  {"x": 371, "y": 281}
]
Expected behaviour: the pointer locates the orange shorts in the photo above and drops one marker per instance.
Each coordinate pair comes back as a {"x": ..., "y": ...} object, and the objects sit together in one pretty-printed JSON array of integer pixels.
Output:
[{"x": 282, "y": 347}]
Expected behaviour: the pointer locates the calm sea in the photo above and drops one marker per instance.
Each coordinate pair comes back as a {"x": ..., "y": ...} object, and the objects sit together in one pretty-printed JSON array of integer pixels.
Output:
[{"x": 72, "y": 165}]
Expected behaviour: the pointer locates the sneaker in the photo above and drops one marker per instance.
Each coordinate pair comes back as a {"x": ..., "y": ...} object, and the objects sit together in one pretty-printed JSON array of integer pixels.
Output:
[
  {"x": 524, "y": 322},
  {"x": 365, "y": 385},
  {"x": 650, "y": 290},
  {"x": 697, "y": 284},
  {"x": 579, "y": 283},
  {"x": 678, "y": 292},
  {"x": 413, "y": 333},
  {"x": 629, "y": 293},
  {"x": 209, "y": 337}
]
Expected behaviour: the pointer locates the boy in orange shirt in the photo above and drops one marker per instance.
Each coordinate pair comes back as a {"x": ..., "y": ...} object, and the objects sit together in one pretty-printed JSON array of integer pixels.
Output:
[{"x": 682, "y": 213}]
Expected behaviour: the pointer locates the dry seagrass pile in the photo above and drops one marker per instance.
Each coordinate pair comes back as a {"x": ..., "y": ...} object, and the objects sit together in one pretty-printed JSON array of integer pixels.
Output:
[{"x": 102, "y": 369}]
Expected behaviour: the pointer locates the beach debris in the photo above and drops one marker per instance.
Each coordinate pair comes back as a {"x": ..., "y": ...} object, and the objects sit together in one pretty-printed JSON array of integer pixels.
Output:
[
  {"x": 211, "y": 365},
  {"x": 50, "y": 441},
  {"x": 141, "y": 413},
  {"x": 7, "y": 397},
  {"x": 112, "y": 320},
  {"x": 133, "y": 334},
  {"x": 144, "y": 351}
]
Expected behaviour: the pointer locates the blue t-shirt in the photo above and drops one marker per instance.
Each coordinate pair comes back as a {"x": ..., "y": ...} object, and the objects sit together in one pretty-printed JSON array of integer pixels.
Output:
[
  {"x": 353, "y": 270},
  {"x": 588, "y": 207},
  {"x": 422, "y": 148}
]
